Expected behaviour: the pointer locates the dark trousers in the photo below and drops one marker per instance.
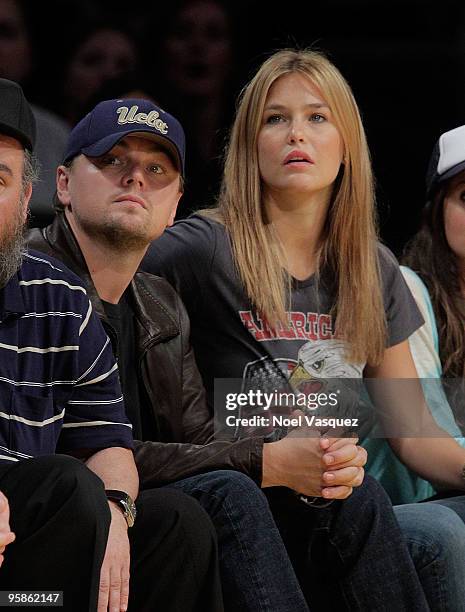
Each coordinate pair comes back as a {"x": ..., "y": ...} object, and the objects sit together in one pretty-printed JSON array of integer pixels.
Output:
[
  {"x": 351, "y": 555},
  {"x": 61, "y": 518},
  {"x": 257, "y": 575}
]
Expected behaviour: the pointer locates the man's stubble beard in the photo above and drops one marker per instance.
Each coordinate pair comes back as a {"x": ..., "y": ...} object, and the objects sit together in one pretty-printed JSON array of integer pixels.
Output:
[
  {"x": 12, "y": 245},
  {"x": 114, "y": 235}
]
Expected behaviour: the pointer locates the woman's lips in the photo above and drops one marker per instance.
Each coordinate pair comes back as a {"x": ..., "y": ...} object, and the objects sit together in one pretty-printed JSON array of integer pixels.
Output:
[{"x": 298, "y": 157}]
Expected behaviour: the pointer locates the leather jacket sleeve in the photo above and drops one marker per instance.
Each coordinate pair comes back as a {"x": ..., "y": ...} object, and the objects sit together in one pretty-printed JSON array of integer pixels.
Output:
[
  {"x": 159, "y": 463},
  {"x": 162, "y": 462}
]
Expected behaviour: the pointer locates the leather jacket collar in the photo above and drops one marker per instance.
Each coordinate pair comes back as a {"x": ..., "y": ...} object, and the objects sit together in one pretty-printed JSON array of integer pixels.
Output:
[{"x": 159, "y": 325}]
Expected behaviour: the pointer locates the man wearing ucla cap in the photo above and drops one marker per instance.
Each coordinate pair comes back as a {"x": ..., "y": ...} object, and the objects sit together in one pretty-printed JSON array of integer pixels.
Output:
[
  {"x": 112, "y": 120},
  {"x": 117, "y": 191},
  {"x": 68, "y": 526}
]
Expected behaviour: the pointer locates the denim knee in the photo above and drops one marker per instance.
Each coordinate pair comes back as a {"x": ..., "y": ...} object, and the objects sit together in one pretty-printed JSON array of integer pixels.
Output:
[
  {"x": 371, "y": 491},
  {"x": 237, "y": 484},
  {"x": 369, "y": 500},
  {"x": 225, "y": 491},
  {"x": 432, "y": 532},
  {"x": 435, "y": 538}
]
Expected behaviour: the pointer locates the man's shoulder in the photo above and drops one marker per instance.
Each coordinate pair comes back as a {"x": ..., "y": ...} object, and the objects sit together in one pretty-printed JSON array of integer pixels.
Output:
[
  {"x": 36, "y": 262},
  {"x": 35, "y": 236},
  {"x": 36, "y": 240},
  {"x": 160, "y": 297},
  {"x": 44, "y": 277},
  {"x": 157, "y": 285}
]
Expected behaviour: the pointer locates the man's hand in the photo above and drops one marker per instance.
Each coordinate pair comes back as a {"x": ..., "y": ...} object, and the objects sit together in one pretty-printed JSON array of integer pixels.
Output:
[
  {"x": 294, "y": 462},
  {"x": 322, "y": 467},
  {"x": 114, "y": 575},
  {"x": 6, "y": 535},
  {"x": 116, "y": 468}
]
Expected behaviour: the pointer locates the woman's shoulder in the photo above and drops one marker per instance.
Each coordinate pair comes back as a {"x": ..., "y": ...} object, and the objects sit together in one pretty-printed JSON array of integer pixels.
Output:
[
  {"x": 198, "y": 231},
  {"x": 389, "y": 268},
  {"x": 421, "y": 294},
  {"x": 402, "y": 313},
  {"x": 413, "y": 280},
  {"x": 392, "y": 272},
  {"x": 189, "y": 245},
  {"x": 386, "y": 257},
  {"x": 208, "y": 220}
]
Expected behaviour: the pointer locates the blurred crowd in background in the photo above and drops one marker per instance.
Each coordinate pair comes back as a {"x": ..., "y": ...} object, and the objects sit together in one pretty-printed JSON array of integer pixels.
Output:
[{"x": 405, "y": 60}]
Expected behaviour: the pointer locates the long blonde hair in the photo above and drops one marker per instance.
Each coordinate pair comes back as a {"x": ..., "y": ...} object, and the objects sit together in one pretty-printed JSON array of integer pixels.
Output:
[{"x": 350, "y": 236}]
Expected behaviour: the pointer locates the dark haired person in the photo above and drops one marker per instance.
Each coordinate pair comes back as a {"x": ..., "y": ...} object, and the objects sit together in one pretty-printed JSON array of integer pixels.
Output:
[
  {"x": 67, "y": 473},
  {"x": 435, "y": 270},
  {"x": 437, "y": 251}
]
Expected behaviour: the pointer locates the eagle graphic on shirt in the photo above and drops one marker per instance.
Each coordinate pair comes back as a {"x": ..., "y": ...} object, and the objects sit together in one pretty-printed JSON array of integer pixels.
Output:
[{"x": 320, "y": 366}]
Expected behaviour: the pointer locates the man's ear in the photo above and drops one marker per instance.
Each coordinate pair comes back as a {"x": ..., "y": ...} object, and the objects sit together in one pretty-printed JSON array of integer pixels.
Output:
[
  {"x": 25, "y": 201},
  {"x": 63, "y": 185},
  {"x": 174, "y": 209}
]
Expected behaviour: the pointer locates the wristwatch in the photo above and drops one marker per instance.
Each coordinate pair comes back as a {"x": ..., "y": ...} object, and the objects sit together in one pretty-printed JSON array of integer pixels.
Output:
[
  {"x": 315, "y": 502},
  {"x": 125, "y": 503}
]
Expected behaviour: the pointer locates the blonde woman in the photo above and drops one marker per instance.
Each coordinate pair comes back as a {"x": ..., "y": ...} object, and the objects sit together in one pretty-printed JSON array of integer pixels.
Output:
[{"x": 285, "y": 283}]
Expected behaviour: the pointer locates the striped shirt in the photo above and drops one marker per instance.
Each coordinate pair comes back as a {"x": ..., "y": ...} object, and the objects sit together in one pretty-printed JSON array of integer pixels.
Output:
[{"x": 59, "y": 384}]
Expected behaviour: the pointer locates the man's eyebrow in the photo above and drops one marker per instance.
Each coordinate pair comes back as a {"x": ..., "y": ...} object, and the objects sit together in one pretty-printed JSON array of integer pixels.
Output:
[
  {"x": 6, "y": 169},
  {"x": 283, "y": 107}
]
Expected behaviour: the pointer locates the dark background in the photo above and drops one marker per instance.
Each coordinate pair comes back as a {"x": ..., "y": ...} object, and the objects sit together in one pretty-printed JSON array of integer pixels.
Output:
[{"x": 405, "y": 61}]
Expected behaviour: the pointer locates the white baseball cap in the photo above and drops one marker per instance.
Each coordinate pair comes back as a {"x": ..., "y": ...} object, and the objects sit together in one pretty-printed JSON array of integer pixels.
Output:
[{"x": 447, "y": 159}]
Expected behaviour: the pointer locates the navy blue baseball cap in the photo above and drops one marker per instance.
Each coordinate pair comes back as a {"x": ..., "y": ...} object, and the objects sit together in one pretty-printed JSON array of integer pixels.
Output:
[{"x": 112, "y": 120}]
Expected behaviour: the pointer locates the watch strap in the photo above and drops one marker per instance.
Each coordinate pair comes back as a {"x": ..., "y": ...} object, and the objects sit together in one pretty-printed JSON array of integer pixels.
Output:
[{"x": 125, "y": 503}]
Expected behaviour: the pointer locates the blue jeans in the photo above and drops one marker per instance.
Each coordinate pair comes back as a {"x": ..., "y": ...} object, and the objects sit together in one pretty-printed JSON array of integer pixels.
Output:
[
  {"x": 349, "y": 556},
  {"x": 256, "y": 573},
  {"x": 352, "y": 555},
  {"x": 435, "y": 535}
]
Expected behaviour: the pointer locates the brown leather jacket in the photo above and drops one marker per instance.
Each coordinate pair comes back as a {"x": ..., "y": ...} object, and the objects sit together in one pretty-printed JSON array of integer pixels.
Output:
[{"x": 168, "y": 370}]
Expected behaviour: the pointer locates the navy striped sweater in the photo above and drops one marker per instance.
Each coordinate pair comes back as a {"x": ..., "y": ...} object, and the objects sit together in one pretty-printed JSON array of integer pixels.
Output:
[{"x": 59, "y": 384}]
